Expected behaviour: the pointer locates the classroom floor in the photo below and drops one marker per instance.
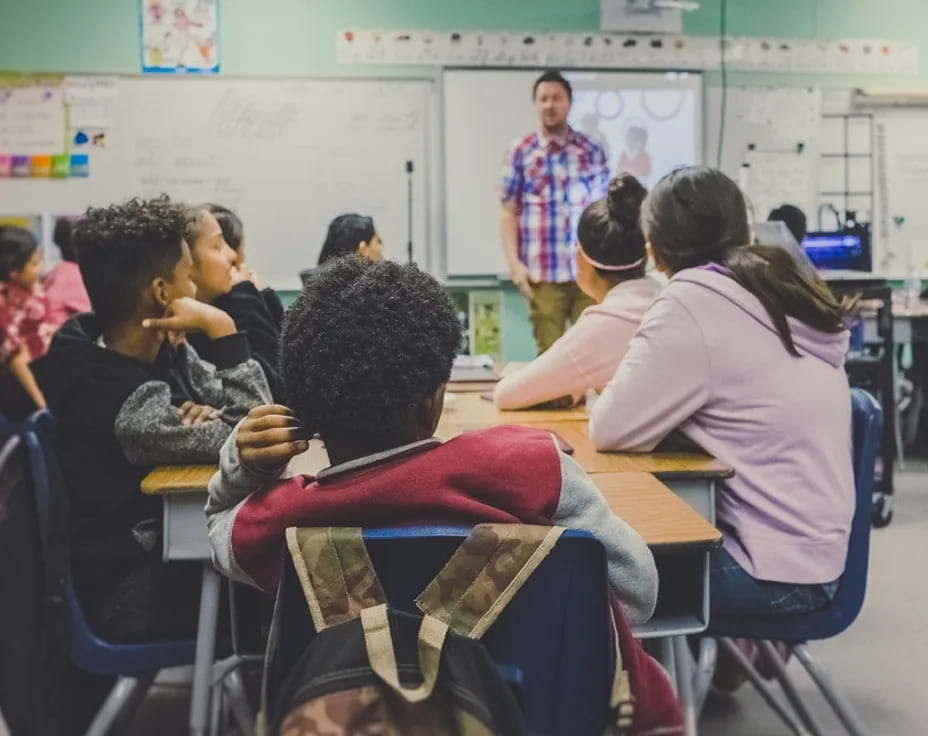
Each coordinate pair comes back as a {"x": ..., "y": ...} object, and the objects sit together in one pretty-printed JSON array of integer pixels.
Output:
[{"x": 880, "y": 663}]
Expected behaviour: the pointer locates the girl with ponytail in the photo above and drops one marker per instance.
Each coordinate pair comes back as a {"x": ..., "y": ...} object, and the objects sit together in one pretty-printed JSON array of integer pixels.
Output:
[
  {"x": 744, "y": 353},
  {"x": 611, "y": 262}
]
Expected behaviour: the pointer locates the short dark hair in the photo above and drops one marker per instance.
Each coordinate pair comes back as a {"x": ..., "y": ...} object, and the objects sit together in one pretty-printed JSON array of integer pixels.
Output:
[
  {"x": 16, "y": 248},
  {"x": 123, "y": 247},
  {"x": 62, "y": 237},
  {"x": 231, "y": 225},
  {"x": 345, "y": 234},
  {"x": 553, "y": 75},
  {"x": 363, "y": 344},
  {"x": 794, "y": 219}
]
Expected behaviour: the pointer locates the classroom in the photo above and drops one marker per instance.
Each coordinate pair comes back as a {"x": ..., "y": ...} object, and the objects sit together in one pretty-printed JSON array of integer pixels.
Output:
[{"x": 463, "y": 368}]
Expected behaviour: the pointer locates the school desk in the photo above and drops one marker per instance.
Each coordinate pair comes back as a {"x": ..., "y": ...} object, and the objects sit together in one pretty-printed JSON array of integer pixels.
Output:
[{"x": 679, "y": 538}]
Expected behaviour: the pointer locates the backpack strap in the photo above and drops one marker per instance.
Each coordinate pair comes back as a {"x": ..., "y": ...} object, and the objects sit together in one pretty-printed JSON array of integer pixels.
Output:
[
  {"x": 380, "y": 652},
  {"x": 335, "y": 573},
  {"x": 484, "y": 574}
]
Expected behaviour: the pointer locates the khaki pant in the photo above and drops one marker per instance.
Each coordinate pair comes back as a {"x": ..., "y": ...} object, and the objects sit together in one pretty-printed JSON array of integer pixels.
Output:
[{"x": 551, "y": 307}]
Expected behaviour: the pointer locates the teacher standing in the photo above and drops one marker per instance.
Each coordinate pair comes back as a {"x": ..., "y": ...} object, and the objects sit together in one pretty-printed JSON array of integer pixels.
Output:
[{"x": 549, "y": 177}]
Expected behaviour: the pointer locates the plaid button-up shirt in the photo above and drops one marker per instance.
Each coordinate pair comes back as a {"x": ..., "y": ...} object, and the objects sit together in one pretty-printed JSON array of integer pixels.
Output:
[{"x": 551, "y": 182}]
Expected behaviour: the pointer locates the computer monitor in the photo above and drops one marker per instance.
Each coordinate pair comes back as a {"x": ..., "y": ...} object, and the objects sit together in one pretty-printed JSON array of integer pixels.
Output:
[{"x": 838, "y": 251}]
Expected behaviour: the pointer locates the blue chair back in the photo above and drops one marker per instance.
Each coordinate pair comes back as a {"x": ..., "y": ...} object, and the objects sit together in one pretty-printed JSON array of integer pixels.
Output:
[
  {"x": 554, "y": 638},
  {"x": 23, "y": 646},
  {"x": 866, "y": 427},
  {"x": 88, "y": 651}
]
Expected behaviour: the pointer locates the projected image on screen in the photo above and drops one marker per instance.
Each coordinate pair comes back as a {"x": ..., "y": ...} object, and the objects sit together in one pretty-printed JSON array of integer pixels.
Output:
[{"x": 644, "y": 132}]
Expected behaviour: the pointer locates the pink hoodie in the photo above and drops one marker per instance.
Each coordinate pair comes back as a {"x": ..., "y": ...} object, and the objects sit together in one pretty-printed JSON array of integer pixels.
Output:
[
  {"x": 587, "y": 355},
  {"x": 708, "y": 360}
]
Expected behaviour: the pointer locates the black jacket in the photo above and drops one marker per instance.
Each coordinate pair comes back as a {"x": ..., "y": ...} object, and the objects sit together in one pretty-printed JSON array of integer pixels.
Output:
[
  {"x": 117, "y": 418},
  {"x": 251, "y": 312}
]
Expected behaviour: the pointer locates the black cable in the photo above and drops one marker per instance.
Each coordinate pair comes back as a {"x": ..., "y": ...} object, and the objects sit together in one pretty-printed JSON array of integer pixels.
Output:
[{"x": 723, "y": 113}]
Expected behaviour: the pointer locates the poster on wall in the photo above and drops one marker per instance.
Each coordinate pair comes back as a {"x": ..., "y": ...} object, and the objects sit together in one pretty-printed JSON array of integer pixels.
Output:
[{"x": 180, "y": 36}]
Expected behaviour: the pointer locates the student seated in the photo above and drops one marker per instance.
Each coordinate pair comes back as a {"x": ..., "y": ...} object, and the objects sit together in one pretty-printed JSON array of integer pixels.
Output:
[
  {"x": 234, "y": 234},
  {"x": 219, "y": 283},
  {"x": 64, "y": 286},
  {"x": 350, "y": 234},
  {"x": 611, "y": 262},
  {"x": 367, "y": 352},
  {"x": 744, "y": 354},
  {"x": 25, "y": 327},
  {"x": 128, "y": 395}
]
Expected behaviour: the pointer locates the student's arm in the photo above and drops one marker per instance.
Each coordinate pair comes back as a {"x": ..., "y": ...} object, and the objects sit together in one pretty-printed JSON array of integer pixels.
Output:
[
  {"x": 632, "y": 571},
  {"x": 229, "y": 381},
  {"x": 511, "y": 200},
  {"x": 255, "y": 455},
  {"x": 663, "y": 380},
  {"x": 568, "y": 368},
  {"x": 150, "y": 430},
  {"x": 19, "y": 367}
]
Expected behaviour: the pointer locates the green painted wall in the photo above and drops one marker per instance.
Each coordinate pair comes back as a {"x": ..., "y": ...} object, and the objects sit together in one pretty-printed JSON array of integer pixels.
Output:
[{"x": 297, "y": 37}]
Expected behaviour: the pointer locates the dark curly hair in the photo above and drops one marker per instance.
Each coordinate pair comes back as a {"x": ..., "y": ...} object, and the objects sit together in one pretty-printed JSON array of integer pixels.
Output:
[
  {"x": 16, "y": 248},
  {"x": 362, "y": 346},
  {"x": 123, "y": 247}
]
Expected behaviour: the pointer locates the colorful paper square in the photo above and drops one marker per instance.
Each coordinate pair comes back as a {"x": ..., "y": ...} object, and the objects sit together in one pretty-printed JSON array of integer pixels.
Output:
[
  {"x": 6, "y": 166},
  {"x": 61, "y": 166},
  {"x": 80, "y": 165},
  {"x": 21, "y": 166},
  {"x": 41, "y": 167}
]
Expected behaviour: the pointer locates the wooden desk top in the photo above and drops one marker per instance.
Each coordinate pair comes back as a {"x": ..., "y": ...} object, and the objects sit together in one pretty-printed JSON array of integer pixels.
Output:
[
  {"x": 470, "y": 411},
  {"x": 658, "y": 514},
  {"x": 661, "y": 517},
  {"x": 177, "y": 479}
]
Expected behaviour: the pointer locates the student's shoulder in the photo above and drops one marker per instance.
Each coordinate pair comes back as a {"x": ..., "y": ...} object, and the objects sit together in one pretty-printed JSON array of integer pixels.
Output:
[{"x": 505, "y": 444}]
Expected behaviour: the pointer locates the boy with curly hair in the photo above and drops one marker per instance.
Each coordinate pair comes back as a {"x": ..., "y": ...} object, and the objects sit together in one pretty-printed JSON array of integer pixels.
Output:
[
  {"x": 367, "y": 352},
  {"x": 129, "y": 394}
]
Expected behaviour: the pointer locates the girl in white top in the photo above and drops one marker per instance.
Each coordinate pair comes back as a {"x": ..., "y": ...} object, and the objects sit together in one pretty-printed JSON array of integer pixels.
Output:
[{"x": 611, "y": 261}]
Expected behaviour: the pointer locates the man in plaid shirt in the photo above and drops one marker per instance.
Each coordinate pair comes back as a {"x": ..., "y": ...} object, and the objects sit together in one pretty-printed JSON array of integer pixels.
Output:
[{"x": 549, "y": 178}]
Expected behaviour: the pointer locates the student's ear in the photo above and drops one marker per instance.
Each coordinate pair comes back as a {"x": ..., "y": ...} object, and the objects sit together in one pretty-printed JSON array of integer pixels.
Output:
[
  {"x": 363, "y": 247},
  {"x": 161, "y": 292}
]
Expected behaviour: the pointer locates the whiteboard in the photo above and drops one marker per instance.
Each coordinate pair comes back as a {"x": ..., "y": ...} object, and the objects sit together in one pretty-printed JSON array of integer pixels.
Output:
[
  {"x": 287, "y": 154},
  {"x": 485, "y": 112}
]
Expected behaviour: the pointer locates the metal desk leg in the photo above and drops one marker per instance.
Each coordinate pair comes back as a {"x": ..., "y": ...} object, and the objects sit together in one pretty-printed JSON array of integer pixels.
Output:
[
  {"x": 684, "y": 669},
  {"x": 665, "y": 655},
  {"x": 206, "y": 651}
]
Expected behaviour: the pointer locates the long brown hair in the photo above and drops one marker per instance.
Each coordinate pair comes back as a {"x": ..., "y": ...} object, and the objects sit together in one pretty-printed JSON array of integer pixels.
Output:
[{"x": 697, "y": 215}]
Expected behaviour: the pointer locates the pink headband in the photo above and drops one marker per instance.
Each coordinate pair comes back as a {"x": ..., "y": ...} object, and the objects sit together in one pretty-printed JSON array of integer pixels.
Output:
[{"x": 604, "y": 267}]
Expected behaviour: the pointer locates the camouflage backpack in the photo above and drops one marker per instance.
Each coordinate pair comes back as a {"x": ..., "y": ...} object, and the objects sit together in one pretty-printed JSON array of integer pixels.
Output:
[{"x": 373, "y": 670}]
